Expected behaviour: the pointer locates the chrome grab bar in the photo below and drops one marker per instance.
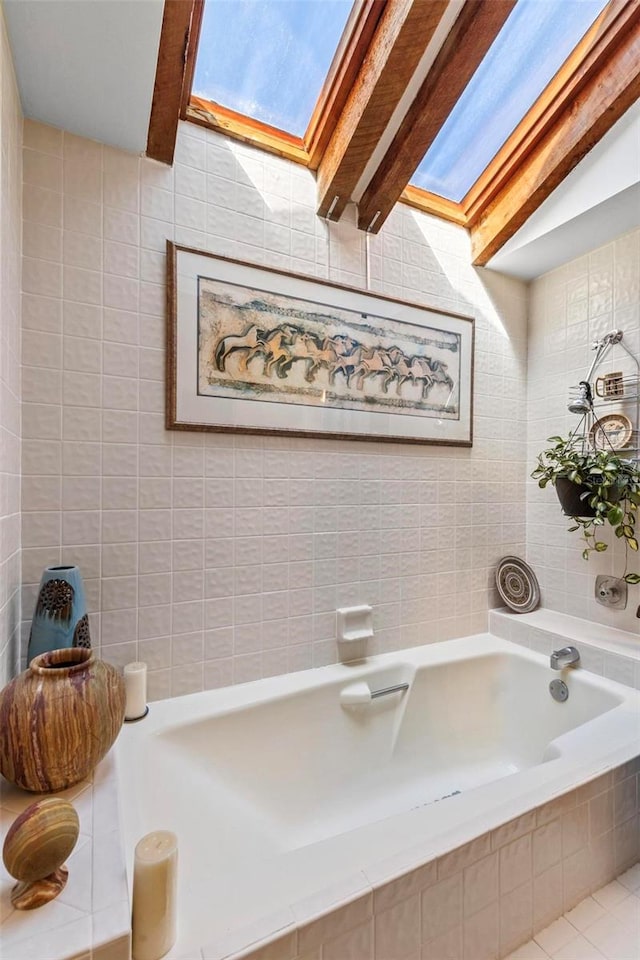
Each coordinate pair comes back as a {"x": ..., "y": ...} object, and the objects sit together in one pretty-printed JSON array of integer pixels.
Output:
[
  {"x": 385, "y": 691},
  {"x": 359, "y": 693}
]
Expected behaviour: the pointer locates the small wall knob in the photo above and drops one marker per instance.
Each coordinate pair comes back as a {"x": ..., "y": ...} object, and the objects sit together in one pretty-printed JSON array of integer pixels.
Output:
[{"x": 611, "y": 592}]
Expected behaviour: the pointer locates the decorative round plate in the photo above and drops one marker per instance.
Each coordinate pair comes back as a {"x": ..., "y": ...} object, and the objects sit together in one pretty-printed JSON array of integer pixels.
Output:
[
  {"x": 517, "y": 585},
  {"x": 611, "y": 432}
]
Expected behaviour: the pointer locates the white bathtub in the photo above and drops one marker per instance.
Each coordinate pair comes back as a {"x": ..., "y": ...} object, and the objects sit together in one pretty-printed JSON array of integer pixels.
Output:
[{"x": 276, "y": 790}]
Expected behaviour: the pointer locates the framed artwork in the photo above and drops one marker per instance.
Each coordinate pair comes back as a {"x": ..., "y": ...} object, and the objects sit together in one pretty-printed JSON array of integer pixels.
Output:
[{"x": 256, "y": 350}]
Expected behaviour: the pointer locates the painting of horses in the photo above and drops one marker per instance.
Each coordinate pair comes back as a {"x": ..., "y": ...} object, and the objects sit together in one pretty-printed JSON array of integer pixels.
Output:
[
  {"x": 302, "y": 352},
  {"x": 280, "y": 349}
]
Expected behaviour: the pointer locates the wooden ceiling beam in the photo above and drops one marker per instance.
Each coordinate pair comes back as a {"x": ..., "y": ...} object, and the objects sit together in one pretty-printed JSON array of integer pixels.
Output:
[
  {"x": 401, "y": 37},
  {"x": 469, "y": 39},
  {"x": 587, "y": 96},
  {"x": 355, "y": 42},
  {"x": 171, "y": 72},
  {"x": 191, "y": 54}
]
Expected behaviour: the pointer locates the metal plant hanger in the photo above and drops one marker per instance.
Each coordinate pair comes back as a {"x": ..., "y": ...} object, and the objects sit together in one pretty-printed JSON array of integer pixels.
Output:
[
  {"x": 591, "y": 430},
  {"x": 596, "y": 470}
]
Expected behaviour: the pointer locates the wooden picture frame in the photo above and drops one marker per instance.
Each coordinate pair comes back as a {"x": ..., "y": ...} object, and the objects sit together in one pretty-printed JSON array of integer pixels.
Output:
[{"x": 251, "y": 349}]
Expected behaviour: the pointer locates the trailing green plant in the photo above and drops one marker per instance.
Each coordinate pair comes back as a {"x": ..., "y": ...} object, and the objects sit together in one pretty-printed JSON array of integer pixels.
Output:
[{"x": 609, "y": 484}]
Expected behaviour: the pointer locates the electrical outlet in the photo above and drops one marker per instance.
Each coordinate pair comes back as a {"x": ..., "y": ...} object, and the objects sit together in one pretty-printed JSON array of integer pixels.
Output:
[{"x": 611, "y": 592}]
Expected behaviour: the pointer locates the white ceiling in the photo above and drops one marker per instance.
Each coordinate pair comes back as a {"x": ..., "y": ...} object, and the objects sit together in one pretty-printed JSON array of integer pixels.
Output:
[
  {"x": 87, "y": 66},
  {"x": 598, "y": 201}
]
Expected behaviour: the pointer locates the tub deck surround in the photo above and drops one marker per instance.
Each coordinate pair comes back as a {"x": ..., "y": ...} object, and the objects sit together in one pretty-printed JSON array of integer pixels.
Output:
[
  {"x": 277, "y": 791},
  {"x": 91, "y": 917},
  {"x": 604, "y": 650},
  {"x": 475, "y": 892}
]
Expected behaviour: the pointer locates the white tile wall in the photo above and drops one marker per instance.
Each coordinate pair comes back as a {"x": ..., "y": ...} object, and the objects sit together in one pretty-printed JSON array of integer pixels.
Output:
[
  {"x": 10, "y": 238},
  {"x": 183, "y": 569},
  {"x": 569, "y": 309}
]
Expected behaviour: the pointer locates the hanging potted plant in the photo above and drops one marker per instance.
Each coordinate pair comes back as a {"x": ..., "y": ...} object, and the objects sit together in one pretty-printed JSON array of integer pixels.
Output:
[{"x": 595, "y": 487}]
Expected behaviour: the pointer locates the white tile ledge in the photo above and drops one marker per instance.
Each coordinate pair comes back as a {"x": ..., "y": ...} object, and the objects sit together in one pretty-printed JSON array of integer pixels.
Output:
[
  {"x": 98, "y": 920},
  {"x": 605, "y": 650}
]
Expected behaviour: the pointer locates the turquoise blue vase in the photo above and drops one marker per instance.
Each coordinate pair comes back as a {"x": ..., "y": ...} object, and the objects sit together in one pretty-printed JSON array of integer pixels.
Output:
[{"x": 60, "y": 618}]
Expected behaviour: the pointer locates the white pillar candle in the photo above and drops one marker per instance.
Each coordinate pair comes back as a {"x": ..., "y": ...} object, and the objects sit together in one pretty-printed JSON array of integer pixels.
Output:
[
  {"x": 155, "y": 875},
  {"x": 135, "y": 684}
]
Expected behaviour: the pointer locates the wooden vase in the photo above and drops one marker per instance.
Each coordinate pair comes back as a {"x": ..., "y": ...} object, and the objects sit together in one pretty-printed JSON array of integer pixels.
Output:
[{"x": 58, "y": 719}]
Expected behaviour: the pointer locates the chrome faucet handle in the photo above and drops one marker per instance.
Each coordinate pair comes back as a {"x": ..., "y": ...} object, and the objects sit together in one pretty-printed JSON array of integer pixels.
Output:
[{"x": 566, "y": 657}]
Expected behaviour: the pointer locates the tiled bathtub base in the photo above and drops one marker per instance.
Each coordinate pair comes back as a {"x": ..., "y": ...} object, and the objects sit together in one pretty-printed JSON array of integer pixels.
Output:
[{"x": 478, "y": 902}]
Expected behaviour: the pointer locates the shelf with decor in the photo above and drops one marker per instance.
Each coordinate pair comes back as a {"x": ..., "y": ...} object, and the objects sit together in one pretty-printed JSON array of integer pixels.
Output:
[
  {"x": 595, "y": 469},
  {"x": 615, "y": 390}
]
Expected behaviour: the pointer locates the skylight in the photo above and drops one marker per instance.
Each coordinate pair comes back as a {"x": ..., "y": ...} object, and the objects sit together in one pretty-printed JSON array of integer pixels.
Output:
[
  {"x": 268, "y": 59},
  {"x": 535, "y": 41}
]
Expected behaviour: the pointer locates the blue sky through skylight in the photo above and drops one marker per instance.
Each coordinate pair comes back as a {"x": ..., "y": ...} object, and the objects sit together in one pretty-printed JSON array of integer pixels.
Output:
[
  {"x": 268, "y": 58},
  {"x": 533, "y": 44}
]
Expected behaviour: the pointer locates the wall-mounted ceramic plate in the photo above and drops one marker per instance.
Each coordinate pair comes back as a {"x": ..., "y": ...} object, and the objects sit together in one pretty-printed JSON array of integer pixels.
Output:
[{"x": 517, "y": 585}]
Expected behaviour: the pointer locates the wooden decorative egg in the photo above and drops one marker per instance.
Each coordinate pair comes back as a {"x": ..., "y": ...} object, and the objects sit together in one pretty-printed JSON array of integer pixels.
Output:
[{"x": 35, "y": 848}]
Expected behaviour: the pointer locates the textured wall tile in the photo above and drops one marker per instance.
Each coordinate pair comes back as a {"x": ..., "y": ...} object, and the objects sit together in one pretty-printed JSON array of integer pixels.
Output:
[
  {"x": 82, "y": 354},
  {"x": 121, "y": 225},
  {"x": 41, "y": 277},
  {"x": 42, "y": 169},
  {"x": 120, "y": 293},
  {"x": 84, "y": 286},
  {"x": 119, "y": 426},
  {"x": 515, "y": 864},
  {"x": 119, "y": 593},
  {"x": 41, "y": 205},
  {"x": 120, "y": 326},
  {"x": 119, "y": 559},
  {"x": 41, "y": 386},
  {"x": 80, "y": 423},
  {"x": 441, "y": 907},
  {"x": 82, "y": 216},
  {"x": 154, "y": 557},
  {"x": 237, "y": 530},
  {"x": 121, "y": 259},
  {"x": 80, "y": 526},
  {"x": 41, "y": 313},
  {"x": 41, "y": 241},
  {"x": 81, "y": 250}
]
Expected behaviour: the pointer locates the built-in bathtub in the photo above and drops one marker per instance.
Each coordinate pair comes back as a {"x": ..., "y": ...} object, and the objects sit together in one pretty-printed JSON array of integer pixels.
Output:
[{"x": 291, "y": 805}]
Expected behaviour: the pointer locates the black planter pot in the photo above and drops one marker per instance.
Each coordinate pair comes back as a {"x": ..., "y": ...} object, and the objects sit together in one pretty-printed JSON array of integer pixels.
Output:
[{"x": 569, "y": 497}]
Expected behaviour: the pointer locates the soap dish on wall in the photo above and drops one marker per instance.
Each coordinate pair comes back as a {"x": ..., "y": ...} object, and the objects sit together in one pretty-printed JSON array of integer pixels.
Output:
[
  {"x": 355, "y": 624},
  {"x": 517, "y": 585}
]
